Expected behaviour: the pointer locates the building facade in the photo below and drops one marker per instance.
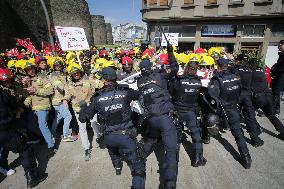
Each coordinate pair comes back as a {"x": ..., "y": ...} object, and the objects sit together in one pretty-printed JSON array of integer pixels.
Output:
[
  {"x": 126, "y": 33},
  {"x": 236, "y": 24}
]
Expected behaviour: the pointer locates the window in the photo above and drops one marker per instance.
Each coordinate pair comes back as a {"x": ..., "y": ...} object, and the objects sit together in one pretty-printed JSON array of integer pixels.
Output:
[
  {"x": 163, "y": 2},
  {"x": 253, "y": 30},
  {"x": 152, "y": 2},
  {"x": 211, "y": 2},
  {"x": 278, "y": 30},
  {"x": 188, "y": 31},
  {"x": 187, "y": 2}
]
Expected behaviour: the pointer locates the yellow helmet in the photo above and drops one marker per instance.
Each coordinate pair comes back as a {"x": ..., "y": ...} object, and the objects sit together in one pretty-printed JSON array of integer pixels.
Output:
[
  {"x": 136, "y": 50},
  {"x": 207, "y": 61},
  {"x": 28, "y": 63},
  {"x": 194, "y": 58},
  {"x": 100, "y": 63},
  {"x": 174, "y": 48},
  {"x": 213, "y": 51},
  {"x": 109, "y": 64},
  {"x": 182, "y": 58},
  {"x": 54, "y": 60},
  {"x": 73, "y": 67},
  {"x": 71, "y": 57},
  {"x": 11, "y": 64}
]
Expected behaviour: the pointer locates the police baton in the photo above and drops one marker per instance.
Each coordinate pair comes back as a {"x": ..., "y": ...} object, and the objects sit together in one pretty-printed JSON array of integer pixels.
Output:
[{"x": 163, "y": 33}]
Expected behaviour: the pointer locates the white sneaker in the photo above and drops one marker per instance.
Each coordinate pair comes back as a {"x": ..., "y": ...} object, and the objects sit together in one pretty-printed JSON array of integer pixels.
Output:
[{"x": 7, "y": 172}]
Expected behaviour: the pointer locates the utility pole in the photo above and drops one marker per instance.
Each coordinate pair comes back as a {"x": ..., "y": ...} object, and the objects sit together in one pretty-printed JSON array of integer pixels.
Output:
[{"x": 48, "y": 24}]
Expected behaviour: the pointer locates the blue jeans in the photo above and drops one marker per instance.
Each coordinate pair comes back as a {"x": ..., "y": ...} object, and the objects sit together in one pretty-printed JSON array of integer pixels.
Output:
[
  {"x": 42, "y": 117},
  {"x": 62, "y": 112}
]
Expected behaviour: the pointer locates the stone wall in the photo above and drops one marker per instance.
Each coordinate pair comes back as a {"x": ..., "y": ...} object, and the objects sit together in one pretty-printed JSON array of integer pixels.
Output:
[
  {"x": 99, "y": 30},
  {"x": 109, "y": 34},
  {"x": 22, "y": 19}
]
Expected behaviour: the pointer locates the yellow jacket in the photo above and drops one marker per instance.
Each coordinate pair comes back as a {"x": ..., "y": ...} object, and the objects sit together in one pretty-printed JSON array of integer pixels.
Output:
[
  {"x": 58, "y": 81},
  {"x": 79, "y": 91},
  {"x": 41, "y": 99}
]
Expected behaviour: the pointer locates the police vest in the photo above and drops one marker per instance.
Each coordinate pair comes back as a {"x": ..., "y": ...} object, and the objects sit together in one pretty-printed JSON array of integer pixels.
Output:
[
  {"x": 156, "y": 98},
  {"x": 229, "y": 88},
  {"x": 113, "y": 106},
  {"x": 186, "y": 92},
  {"x": 259, "y": 83},
  {"x": 246, "y": 77}
]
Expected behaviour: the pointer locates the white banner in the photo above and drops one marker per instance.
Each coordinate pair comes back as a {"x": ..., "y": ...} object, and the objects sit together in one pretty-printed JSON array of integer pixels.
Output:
[
  {"x": 72, "y": 38},
  {"x": 171, "y": 37}
]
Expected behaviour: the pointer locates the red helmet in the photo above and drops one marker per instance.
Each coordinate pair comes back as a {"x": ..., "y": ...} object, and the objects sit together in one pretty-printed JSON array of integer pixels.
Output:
[
  {"x": 5, "y": 74},
  {"x": 147, "y": 53},
  {"x": 103, "y": 53},
  {"x": 39, "y": 58},
  {"x": 163, "y": 59},
  {"x": 127, "y": 60},
  {"x": 122, "y": 53},
  {"x": 131, "y": 53}
]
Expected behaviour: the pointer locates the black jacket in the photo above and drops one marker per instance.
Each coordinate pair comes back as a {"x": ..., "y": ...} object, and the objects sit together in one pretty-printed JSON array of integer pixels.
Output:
[
  {"x": 8, "y": 105},
  {"x": 112, "y": 104},
  {"x": 277, "y": 74}
]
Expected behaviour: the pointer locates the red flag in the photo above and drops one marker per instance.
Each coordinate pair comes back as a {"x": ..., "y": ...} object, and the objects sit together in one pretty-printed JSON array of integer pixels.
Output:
[
  {"x": 47, "y": 48},
  {"x": 31, "y": 48},
  {"x": 12, "y": 52},
  {"x": 23, "y": 42},
  {"x": 57, "y": 48}
]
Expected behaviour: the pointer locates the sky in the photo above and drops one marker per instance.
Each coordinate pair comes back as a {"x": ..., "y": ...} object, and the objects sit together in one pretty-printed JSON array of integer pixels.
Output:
[{"x": 117, "y": 11}]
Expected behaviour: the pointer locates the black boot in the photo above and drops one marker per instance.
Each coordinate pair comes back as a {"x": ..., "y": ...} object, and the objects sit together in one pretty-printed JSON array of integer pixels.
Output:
[
  {"x": 206, "y": 139},
  {"x": 118, "y": 168},
  {"x": 33, "y": 178},
  {"x": 246, "y": 160},
  {"x": 198, "y": 160},
  {"x": 170, "y": 185},
  {"x": 257, "y": 142},
  {"x": 87, "y": 155}
]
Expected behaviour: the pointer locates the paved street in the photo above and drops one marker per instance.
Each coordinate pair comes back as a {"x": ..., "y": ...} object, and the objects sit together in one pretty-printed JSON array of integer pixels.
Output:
[{"x": 67, "y": 169}]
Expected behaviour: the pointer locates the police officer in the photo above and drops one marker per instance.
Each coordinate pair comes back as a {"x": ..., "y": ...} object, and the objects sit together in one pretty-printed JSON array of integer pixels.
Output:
[
  {"x": 185, "y": 92},
  {"x": 112, "y": 104},
  {"x": 245, "y": 73},
  {"x": 10, "y": 139},
  {"x": 158, "y": 105},
  {"x": 226, "y": 87},
  {"x": 277, "y": 74},
  {"x": 262, "y": 97}
]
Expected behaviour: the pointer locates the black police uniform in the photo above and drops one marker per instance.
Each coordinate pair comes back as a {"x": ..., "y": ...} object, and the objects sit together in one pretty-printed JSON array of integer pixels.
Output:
[
  {"x": 112, "y": 104},
  {"x": 262, "y": 99},
  {"x": 226, "y": 86},
  {"x": 185, "y": 92},
  {"x": 153, "y": 85},
  {"x": 246, "y": 105},
  {"x": 277, "y": 83},
  {"x": 12, "y": 140}
]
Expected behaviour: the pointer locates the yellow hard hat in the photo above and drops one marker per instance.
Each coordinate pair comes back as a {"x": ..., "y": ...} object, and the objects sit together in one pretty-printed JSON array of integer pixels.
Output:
[
  {"x": 207, "y": 61},
  {"x": 27, "y": 63},
  {"x": 73, "y": 67},
  {"x": 109, "y": 64},
  {"x": 194, "y": 58},
  {"x": 183, "y": 58},
  {"x": 54, "y": 60},
  {"x": 174, "y": 48},
  {"x": 213, "y": 51},
  {"x": 100, "y": 62},
  {"x": 11, "y": 64},
  {"x": 71, "y": 57}
]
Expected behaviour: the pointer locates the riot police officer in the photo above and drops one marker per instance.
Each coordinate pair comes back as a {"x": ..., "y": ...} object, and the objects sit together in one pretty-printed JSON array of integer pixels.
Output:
[
  {"x": 185, "y": 92},
  {"x": 10, "y": 138},
  {"x": 226, "y": 87},
  {"x": 262, "y": 97},
  {"x": 112, "y": 104},
  {"x": 153, "y": 85},
  {"x": 245, "y": 73},
  {"x": 277, "y": 74}
]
